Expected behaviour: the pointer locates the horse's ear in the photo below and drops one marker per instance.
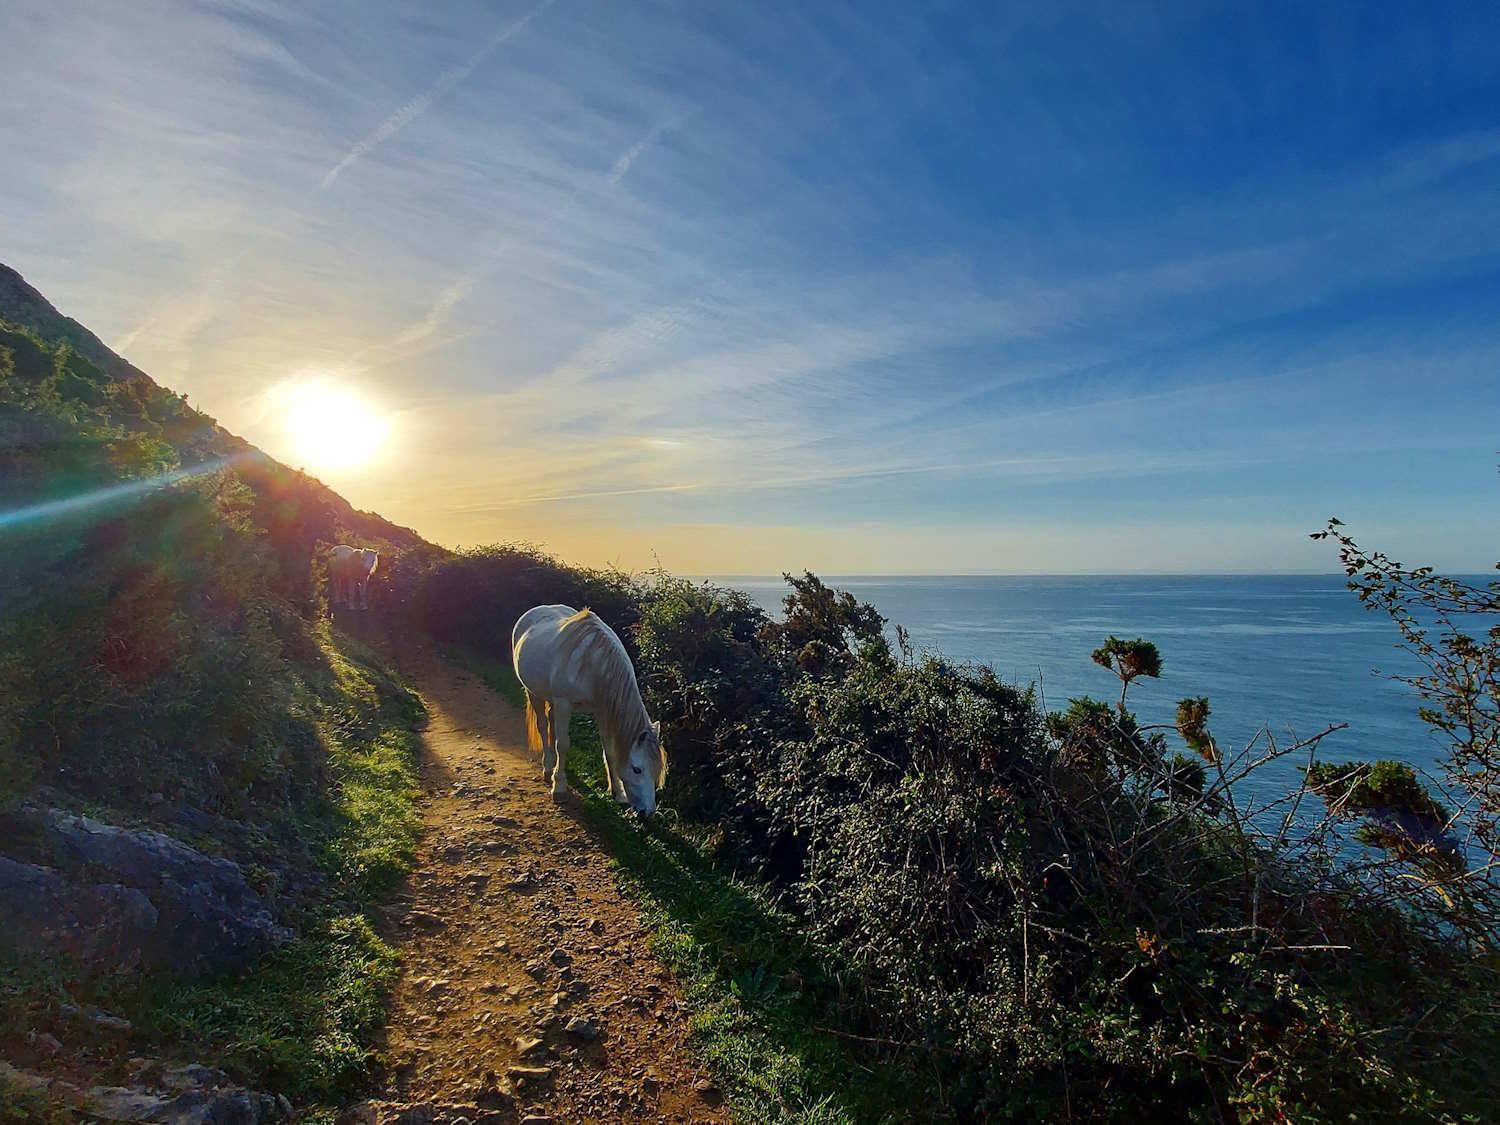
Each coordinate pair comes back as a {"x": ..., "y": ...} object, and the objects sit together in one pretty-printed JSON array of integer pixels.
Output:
[{"x": 656, "y": 728}]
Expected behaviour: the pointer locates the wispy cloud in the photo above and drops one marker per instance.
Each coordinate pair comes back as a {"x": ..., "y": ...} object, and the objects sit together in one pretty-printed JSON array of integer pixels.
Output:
[
  {"x": 784, "y": 264},
  {"x": 459, "y": 290},
  {"x": 425, "y": 100}
]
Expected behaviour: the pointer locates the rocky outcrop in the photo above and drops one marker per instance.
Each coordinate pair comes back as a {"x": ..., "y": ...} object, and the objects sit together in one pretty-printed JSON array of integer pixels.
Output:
[
  {"x": 106, "y": 925},
  {"x": 188, "y": 1095},
  {"x": 116, "y": 897}
]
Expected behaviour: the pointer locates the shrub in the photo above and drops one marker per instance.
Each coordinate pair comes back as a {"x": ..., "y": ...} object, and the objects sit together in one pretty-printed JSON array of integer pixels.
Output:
[
  {"x": 474, "y": 598},
  {"x": 1060, "y": 913},
  {"x": 1065, "y": 918}
]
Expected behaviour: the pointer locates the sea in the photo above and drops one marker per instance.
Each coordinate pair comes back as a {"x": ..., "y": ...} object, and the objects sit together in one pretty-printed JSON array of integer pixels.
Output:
[{"x": 1283, "y": 656}]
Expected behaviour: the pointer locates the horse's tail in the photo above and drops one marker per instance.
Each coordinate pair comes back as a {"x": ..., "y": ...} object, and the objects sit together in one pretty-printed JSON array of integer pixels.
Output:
[{"x": 536, "y": 717}]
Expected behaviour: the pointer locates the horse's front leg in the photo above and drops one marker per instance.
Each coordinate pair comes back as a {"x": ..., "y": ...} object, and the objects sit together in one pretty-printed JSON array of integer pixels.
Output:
[
  {"x": 609, "y": 774},
  {"x": 559, "y": 711},
  {"x": 615, "y": 781}
]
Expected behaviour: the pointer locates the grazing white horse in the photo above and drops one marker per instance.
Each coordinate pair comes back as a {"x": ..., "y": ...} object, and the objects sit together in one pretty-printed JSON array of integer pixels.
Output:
[
  {"x": 349, "y": 570},
  {"x": 566, "y": 659}
]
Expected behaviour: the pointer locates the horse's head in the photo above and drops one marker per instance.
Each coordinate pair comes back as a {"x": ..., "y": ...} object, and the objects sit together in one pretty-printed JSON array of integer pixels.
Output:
[{"x": 645, "y": 770}]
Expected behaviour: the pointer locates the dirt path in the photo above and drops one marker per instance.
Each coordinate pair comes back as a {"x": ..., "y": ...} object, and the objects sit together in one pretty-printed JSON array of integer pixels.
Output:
[{"x": 527, "y": 990}]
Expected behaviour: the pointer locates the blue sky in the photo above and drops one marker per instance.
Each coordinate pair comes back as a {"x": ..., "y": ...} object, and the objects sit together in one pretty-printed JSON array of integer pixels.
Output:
[{"x": 749, "y": 287}]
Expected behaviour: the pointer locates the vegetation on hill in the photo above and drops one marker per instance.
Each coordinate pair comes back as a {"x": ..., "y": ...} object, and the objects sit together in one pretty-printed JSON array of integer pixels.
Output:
[
  {"x": 1028, "y": 915},
  {"x": 166, "y": 664}
]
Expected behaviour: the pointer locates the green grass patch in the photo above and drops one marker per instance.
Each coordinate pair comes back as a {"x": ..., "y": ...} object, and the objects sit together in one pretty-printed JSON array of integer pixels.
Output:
[
  {"x": 303, "y": 1020},
  {"x": 766, "y": 1018},
  {"x": 365, "y": 834},
  {"x": 301, "y": 1023}
]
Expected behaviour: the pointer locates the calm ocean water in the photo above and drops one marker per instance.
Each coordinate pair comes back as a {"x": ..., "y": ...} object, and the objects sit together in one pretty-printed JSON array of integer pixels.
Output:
[{"x": 1289, "y": 653}]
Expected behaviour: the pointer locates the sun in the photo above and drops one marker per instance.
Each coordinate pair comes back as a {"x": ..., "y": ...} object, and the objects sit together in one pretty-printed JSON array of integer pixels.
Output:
[{"x": 332, "y": 426}]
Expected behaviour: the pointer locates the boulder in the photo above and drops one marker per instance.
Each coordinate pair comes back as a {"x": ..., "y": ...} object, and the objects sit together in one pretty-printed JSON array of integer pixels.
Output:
[
  {"x": 104, "y": 925},
  {"x": 216, "y": 1106},
  {"x": 114, "y": 897}
]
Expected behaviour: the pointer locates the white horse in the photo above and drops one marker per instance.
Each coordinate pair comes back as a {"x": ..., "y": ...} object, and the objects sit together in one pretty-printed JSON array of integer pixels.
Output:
[
  {"x": 349, "y": 570},
  {"x": 566, "y": 659}
]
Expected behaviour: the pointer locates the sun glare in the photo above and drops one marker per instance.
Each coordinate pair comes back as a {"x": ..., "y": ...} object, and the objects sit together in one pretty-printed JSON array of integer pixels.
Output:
[{"x": 332, "y": 426}]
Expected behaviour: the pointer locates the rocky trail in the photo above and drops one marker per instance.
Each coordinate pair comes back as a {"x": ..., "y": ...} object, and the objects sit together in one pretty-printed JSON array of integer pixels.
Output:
[{"x": 527, "y": 991}]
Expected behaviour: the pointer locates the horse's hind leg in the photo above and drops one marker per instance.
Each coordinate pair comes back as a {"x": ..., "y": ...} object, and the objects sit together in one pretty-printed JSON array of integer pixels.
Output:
[
  {"x": 536, "y": 732},
  {"x": 560, "y": 711},
  {"x": 549, "y": 746}
]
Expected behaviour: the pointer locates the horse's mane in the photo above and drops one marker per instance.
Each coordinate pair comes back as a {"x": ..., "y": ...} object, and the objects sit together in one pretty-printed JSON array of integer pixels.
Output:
[{"x": 618, "y": 707}]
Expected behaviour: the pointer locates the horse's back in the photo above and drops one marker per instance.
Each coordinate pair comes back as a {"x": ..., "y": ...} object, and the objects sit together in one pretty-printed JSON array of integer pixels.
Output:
[
  {"x": 535, "y": 616},
  {"x": 354, "y": 559},
  {"x": 533, "y": 644}
]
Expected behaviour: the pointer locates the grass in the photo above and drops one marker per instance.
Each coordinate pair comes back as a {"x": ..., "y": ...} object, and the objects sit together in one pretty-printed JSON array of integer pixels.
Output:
[
  {"x": 766, "y": 1018},
  {"x": 366, "y": 835},
  {"x": 20, "y": 1106},
  {"x": 302, "y": 1021}
]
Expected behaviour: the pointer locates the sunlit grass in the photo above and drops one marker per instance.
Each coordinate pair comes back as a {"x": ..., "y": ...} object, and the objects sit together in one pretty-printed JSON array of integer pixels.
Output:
[{"x": 301, "y": 1021}]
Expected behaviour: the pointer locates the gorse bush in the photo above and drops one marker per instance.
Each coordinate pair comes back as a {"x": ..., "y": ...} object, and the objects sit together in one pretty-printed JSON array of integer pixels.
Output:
[
  {"x": 475, "y": 597},
  {"x": 1061, "y": 914}
]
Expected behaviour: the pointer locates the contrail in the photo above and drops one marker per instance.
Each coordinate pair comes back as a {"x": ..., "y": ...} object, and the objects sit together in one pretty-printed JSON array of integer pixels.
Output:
[
  {"x": 128, "y": 490},
  {"x": 419, "y": 105},
  {"x": 458, "y": 291}
]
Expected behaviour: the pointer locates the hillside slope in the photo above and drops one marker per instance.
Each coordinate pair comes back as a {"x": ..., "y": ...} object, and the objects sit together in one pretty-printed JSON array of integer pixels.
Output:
[
  {"x": 194, "y": 436},
  {"x": 199, "y": 777}
]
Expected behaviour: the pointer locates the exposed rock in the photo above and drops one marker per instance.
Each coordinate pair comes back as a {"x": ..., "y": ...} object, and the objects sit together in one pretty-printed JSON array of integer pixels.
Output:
[
  {"x": 193, "y": 1076},
  {"x": 708, "y": 1091},
  {"x": 530, "y": 1073},
  {"x": 582, "y": 1028},
  {"x": 215, "y": 1106},
  {"x": 94, "y": 1016},
  {"x": 101, "y": 925},
  {"x": 121, "y": 1103},
  {"x": 117, "y": 898},
  {"x": 42, "y": 1041}
]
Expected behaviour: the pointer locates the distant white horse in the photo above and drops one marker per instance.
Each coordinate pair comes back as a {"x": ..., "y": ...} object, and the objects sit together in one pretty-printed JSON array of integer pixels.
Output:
[
  {"x": 349, "y": 570},
  {"x": 566, "y": 659}
]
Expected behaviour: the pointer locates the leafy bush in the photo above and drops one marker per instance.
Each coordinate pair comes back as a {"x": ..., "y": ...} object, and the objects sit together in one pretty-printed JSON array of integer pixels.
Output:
[
  {"x": 474, "y": 598},
  {"x": 1060, "y": 913},
  {"x": 1063, "y": 922},
  {"x": 1354, "y": 789}
]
